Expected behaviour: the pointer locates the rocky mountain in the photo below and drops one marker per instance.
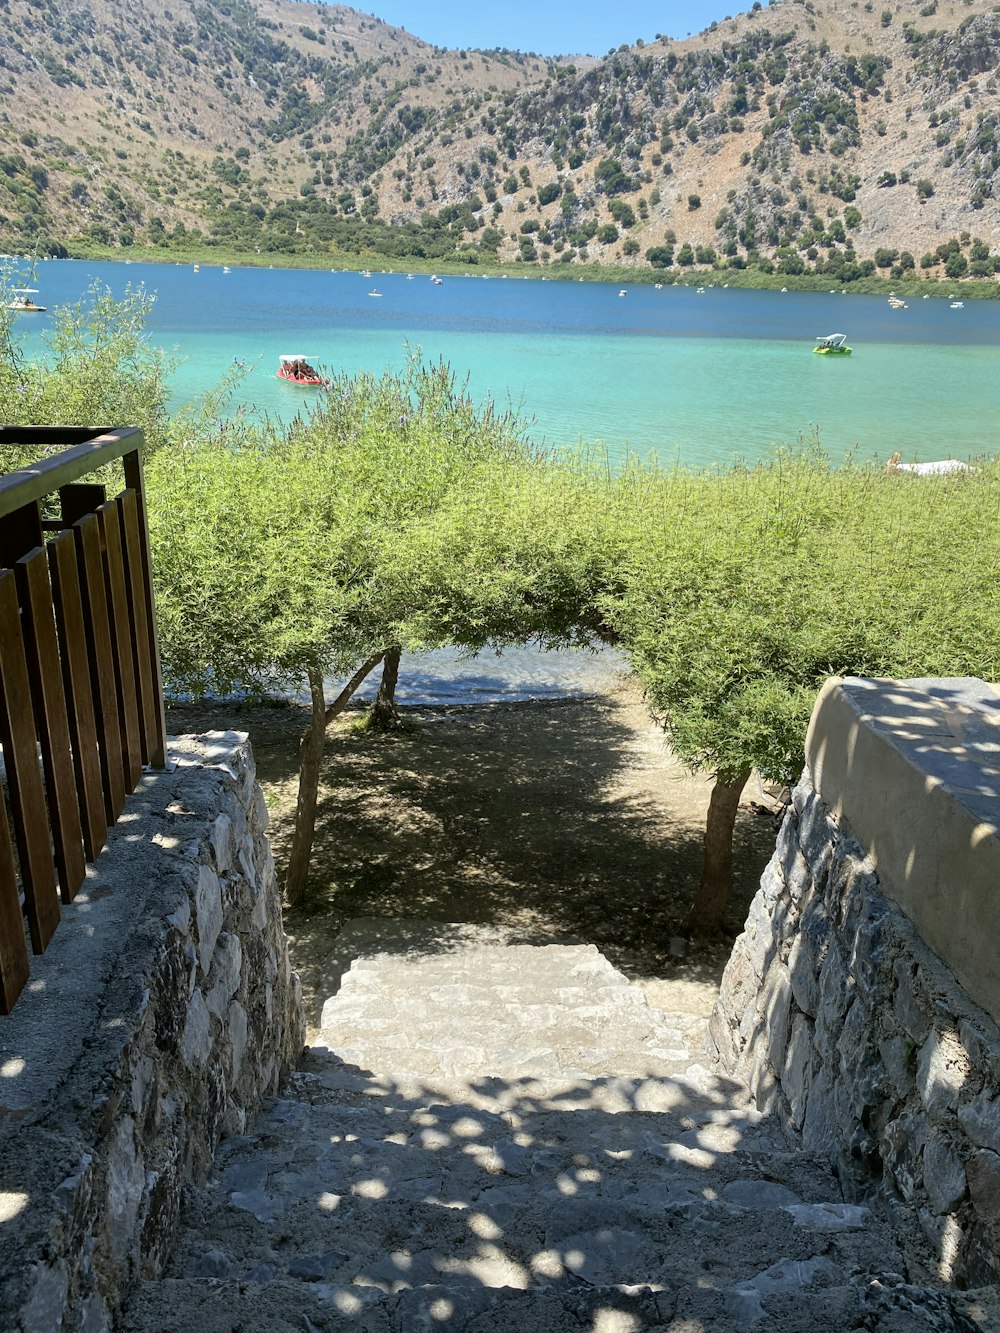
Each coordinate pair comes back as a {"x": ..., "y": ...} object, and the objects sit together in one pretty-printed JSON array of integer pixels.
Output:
[{"x": 835, "y": 135}]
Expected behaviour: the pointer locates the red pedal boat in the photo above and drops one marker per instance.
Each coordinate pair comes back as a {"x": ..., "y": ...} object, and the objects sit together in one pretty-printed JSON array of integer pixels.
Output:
[{"x": 298, "y": 369}]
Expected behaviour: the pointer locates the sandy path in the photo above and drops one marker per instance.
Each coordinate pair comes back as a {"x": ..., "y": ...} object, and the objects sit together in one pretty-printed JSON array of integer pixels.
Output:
[{"x": 569, "y": 820}]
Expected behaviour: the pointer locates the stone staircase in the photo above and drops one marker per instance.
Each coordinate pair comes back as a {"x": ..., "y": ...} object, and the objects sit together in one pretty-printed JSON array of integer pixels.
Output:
[{"x": 505, "y": 1138}]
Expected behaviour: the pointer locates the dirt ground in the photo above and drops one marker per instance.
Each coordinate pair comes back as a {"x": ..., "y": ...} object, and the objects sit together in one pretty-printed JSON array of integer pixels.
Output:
[{"x": 565, "y": 820}]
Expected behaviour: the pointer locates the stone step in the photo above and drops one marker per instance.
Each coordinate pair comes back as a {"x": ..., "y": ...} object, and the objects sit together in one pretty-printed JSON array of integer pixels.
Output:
[
  {"x": 508, "y": 1012},
  {"x": 793, "y": 1296},
  {"x": 391, "y": 1194},
  {"x": 455, "y": 1062},
  {"x": 507, "y": 1139}
]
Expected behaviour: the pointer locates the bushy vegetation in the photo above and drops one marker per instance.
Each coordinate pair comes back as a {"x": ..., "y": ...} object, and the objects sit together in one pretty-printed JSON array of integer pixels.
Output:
[
  {"x": 400, "y": 516},
  {"x": 98, "y": 369}
]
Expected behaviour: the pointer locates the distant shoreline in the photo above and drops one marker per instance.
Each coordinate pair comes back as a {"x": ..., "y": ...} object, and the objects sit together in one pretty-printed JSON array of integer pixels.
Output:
[{"x": 749, "y": 279}]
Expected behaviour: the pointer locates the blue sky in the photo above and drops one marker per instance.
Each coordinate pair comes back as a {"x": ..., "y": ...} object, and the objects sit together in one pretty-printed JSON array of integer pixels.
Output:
[{"x": 552, "y": 27}]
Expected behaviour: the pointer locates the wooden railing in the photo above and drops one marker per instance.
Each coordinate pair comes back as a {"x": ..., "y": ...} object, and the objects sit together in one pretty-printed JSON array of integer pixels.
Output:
[{"x": 81, "y": 695}]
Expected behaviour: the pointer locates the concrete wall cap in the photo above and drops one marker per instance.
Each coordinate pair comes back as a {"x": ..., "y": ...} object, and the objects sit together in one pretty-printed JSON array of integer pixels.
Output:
[{"x": 913, "y": 766}]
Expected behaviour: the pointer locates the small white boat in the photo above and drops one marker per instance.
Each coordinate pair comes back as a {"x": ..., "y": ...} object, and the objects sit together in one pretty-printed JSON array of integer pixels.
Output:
[
  {"x": 436, "y": 280},
  {"x": 225, "y": 268},
  {"x": 373, "y": 292},
  {"x": 21, "y": 300},
  {"x": 623, "y": 292},
  {"x": 957, "y": 305},
  {"x": 939, "y": 468}
]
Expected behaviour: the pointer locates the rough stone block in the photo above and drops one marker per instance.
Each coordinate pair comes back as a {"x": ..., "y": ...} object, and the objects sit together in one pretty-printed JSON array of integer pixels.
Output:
[
  {"x": 819, "y": 1130},
  {"x": 942, "y": 1071},
  {"x": 222, "y": 843},
  {"x": 794, "y": 869},
  {"x": 897, "y": 1058},
  {"x": 944, "y": 1173},
  {"x": 196, "y": 1043},
  {"x": 777, "y": 1002},
  {"x": 817, "y": 831},
  {"x": 761, "y": 947},
  {"x": 980, "y": 1119},
  {"x": 225, "y": 975},
  {"x": 237, "y": 1024},
  {"x": 946, "y": 1239},
  {"x": 785, "y": 922},
  {"x": 983, "y": 1172},
  {"x": 208, "y": 913},
  {"x": 739, "y": 984},
  {"x": 49, "y": 1289},
  {"x": 862, "y": 1073},
  {"x": 125, "y": 1180},
  {"x": 720, "y": 1033},
  {"x": 246, "y": 864},
  {"x": 772, "y": 885},
  {"x": 260, "y": 815},
  {"x": 902, "y": 1145},
  {"x": 868, "y": 953},
  {"x": 982, "y": 1045},
  {"x": 805, "y": 959},
  {"x": 836, "y": 990},
  {"x": 912, "y": 1016},
  {"x": 796, "y": 1075},
  {"x": 764, "y": 1085}
]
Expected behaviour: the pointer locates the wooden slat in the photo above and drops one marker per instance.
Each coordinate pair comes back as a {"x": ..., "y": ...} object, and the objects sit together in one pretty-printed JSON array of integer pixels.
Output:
[
  {"x": 135, "y": 575},
  {"x": 42, "y": 655},
  {"x": 121, "y": 640},
  {"x": 135, "y": 481},
  {"x": 102, "y": 668},
  {"x": 13, "y": 950},
  {"x": 24, "y": 778},
  {"x": 80, "y": 498},
  {"x": 20, "y": 532},
  {"x": 68, "y": 603}
]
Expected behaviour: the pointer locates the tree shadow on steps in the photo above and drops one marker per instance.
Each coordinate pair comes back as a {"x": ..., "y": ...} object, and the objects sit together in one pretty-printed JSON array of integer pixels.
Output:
[{"x": 387, "y": 1205}]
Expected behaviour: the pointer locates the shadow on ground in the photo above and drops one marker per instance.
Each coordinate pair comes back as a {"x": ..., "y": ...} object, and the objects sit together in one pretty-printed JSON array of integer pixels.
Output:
[
  {"x": 603, "y": 1206},
  {"x": 569, "y": 819}
]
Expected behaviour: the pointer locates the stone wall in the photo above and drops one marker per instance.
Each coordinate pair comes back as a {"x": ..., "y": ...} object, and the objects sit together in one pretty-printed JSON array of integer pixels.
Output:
[
  {"x": 835, "y": 1009},
  {"x": 161, "y": 1015}
]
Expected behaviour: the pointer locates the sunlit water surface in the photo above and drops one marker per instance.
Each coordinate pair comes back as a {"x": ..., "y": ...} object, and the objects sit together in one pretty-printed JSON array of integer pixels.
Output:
[{"x": 699, "y": 378}]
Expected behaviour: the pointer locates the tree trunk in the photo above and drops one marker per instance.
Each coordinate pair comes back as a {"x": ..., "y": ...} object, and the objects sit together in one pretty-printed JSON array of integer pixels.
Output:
[
  {"x": 709, "y": 908},
  {"x": 310, "y": 760},
  {"x": 385, "y": 715}
]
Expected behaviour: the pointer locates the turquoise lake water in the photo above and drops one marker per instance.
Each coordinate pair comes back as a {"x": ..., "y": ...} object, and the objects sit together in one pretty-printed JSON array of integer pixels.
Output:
[{"x": 699, "y": 378}]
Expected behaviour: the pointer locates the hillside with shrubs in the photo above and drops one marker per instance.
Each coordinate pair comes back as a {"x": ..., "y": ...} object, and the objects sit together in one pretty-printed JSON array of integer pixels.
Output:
[{"x": 838, "y": 137}]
